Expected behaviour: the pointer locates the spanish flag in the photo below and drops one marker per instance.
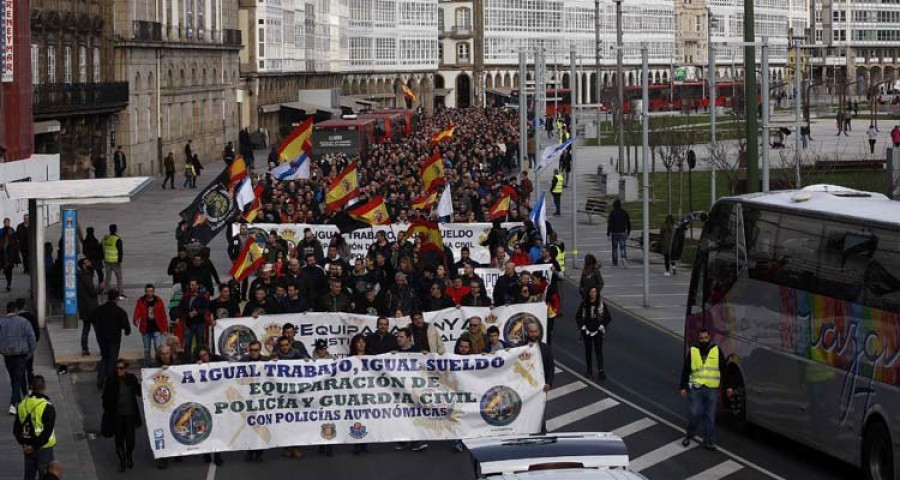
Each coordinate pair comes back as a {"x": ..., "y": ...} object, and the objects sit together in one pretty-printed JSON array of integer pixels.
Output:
[
  {"x": 373, "y": 212},
  {"x": 501, "y": 208},
  {"x": 425, "y": 202},
  {"x": 298, "y": 143},
  {"x": 255, "y": 205},
  {"x": 343, "y": 188},
  {"x": 250, "y": 259},
  {"x": 553, "y": 305},
  {"x": 432, "y": 172},
  {"x": 429, "y": 233},
  {"x": 445, "y": 134},
  {"x": 408, "y": 93},
  {"x": 237, "y": 171}
]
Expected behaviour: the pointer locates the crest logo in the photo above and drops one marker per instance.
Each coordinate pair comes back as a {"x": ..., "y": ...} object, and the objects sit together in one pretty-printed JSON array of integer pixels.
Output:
[
  {"x": 190, "y": 423},
  {"x": 273, "y": 333},
  {"x": 500, "y": 406},
  {"x": 234, "y": 341},
  {"x": 162, "y": 392},
  {"x": 358, "y": 430},
  {"x": 516, "y": 327},
  {"x": 216, "y": 205},
  {"x": 525, "y": 356},
  {"x": 328, "y": 431}
]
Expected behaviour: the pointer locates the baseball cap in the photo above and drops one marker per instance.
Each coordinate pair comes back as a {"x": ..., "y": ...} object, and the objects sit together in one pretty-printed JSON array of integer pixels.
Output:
[{"x": 321, "y": 344}]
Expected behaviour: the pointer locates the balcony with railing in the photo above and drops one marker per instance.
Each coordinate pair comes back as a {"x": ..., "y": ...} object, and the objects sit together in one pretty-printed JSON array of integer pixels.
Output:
[
  {"x": 66, "y": 99},
  {"x": 147, "y": 31}
]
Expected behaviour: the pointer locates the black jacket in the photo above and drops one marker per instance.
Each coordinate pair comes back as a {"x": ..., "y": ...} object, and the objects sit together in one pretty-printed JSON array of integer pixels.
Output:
[
  {"x": 547, "y": 360},
  {"x": 109, "y": 322},
  {"x": 619, "y": 221},
  {"x": 590, "y": 318},
  {"x": 87, "y": 293},
  {"x": 110, "y": 398},
  {"x": 335, "y": 303},
  {"x": 505, "y": 288},
  {"x": 376, "y": 345}
]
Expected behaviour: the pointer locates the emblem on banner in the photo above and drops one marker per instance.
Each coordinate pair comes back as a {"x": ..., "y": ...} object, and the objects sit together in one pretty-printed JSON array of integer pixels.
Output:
[
  {"x": 235, "y": 340},
  {"x": 358, "y": 431},
  {"x": 190, "y": 423},
  {"x": 329, "y": 431},
  {"x": 525, "y": 356},
  {"x": 162, "y": 392},
  {"x": 517, "y": 325},
  {"x": 273, "y": 333},
  {"x": 500, "y": 406}
]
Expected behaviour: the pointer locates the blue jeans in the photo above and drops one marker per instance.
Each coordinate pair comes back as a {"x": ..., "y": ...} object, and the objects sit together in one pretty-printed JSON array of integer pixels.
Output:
[
  {"x": 618, "y": 245},
  {"x": 15, "y": 366},
  {"x": 109, "y": 353},
  {"x": 191, "y": 331},
  {"x": 155, "y": 339},
  {"x": 702, "y": 402},
  {"x": 37, "y": 463}
]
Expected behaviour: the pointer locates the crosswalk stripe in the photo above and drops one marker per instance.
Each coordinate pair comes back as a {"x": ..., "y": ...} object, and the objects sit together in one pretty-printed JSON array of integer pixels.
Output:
[
  {"x": 565, "y": 390},
  {"x": 661, "y": 454},
  {"x": 557, "y": 370},
  {"x": 556, "y": 423},
  {"x": 633, "y": 427},
  {"x": 719, "y": 471}
]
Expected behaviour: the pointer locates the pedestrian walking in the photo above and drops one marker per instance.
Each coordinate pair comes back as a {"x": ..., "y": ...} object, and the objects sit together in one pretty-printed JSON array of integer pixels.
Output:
[
  {"x": 166, "y": 356},
  {"x": 618, "y": 229},
  {"x": 198, "y": 167},
  {"x": 254, "y": 354},
  {"x": 23, "y": 231},
  {"x": 9, "y": 251},
  {"x": 151, "y": 320},
  {"x": 701, "y": 378},
  {"x": 847, "y": 118},
  {"x": 193, "y": 307},
  {"x": 872, "y": 133},
  {"x": 556, "y": 189},
  {"x": 839, "y": 118},
  {"x": 565, "y": 165},
  {"x": 121, "y": 414},
  {"x": 22, "y": 305},
  {"x": 34, "y": 430},
  {"x": 590, "y": 276},
  {"x": 119, "y": 162},
  {"x": 666, "y": 237},
  {"x": 169, "y": 169},
  {"x": 189, "y": 174},
  {"x": 109, "y": 321},
  {"x": 113, "y": 254},
  {"x": 90, "y": 248},
  {"x": 804, "y": 136},
  {"x": 17, "y": 344},
  {"x": 87, "y": 294},
  {"x": 188, "y": 152},
  {"x": 592, "y": 318}
]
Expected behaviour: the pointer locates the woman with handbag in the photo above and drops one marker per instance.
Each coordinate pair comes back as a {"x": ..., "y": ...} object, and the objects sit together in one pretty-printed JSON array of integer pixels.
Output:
[
  {"x": 121, "y": 414},
  {"x": 592, "y": 318}
]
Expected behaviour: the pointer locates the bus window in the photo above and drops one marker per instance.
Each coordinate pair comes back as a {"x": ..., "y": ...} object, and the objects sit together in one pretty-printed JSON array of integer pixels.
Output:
[
  {"x": 720, "y": 248},
  {"x": 761, "y": 228},
  {"x": 843, "y": 261},
  {"x": 882, "y": 287},
  {"x": 796, "y": 255}
]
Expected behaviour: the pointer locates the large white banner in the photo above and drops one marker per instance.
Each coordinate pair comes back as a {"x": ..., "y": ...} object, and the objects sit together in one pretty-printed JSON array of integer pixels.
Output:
[
  {"x": 490, "y": 275},
  {"x": 455, "y": 235},
  {"x": 218, "y": 407},
  {"x": 232, "y": 337}
]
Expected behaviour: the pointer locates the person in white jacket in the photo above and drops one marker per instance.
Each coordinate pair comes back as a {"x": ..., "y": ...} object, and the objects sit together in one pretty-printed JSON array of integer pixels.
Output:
[{"x": 425, "y": 335}]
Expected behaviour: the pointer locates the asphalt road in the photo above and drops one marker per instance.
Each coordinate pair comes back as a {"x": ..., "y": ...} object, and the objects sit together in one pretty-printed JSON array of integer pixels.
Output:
[{"x": 638, "y": 401}]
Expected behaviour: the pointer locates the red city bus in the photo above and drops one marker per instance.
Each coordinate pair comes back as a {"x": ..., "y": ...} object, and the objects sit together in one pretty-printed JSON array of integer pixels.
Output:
[
  {"x": 389, "y": 127},
  {"x": 409, "y": 117},
  {"x": 351, "y": 137},
  {"x": 687, "y": 95}
]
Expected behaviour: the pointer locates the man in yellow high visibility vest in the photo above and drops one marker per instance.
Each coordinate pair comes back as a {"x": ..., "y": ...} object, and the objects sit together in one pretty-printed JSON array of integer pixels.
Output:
[
  {"x": 556, "y": 189},
  {"x": 701, "y": 378},
  {"x": 33, "y": 429},
  {"x": 112, "y": 256}
]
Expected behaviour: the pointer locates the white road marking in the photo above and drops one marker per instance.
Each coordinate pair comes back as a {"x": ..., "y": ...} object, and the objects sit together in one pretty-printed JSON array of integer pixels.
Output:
[
  {"x": 721, "y": 470},
  {"x": 633, "y": 427},
  {"x": 663, "y": 421},
  {"x": 211, "y": 473},
  {"x": 565, "y": 390},
  {"x": 573, "y": 416},
  {"x": 659, "y": 455}
]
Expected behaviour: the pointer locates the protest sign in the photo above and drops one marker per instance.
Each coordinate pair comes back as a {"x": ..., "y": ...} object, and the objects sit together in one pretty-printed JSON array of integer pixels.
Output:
[
  {"x": 490, "y": 275},
  {"x": 219, "y": 407}
]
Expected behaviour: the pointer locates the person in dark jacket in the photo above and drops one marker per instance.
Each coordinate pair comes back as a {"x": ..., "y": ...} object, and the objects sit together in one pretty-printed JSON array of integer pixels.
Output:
[
  {"x": 533, "y": 336},
  {"x": 120, "y": 162},
  {"x": 90, "y": 248},
  {"x": 381, "y": 341},
  {"x": 476, "y": 296},
  {"x": 109, "y": 321},
  {"x": 590, "y": 276},
  {"x": 22, "y": 306},
  {"x": 293, "y": 302},
  {"x": 178, "y": 267},
  {"x": 261, "y": 304},
  {"x": 204, "y": 272},
  {"x": 592, "y": 318},
  {"x": 401, "y": 297},
  {"x": 193, "y": 308},
  {"x": 700, "y": 387},
  {"x": 121, "y": 413},
  {"x": 497, "y": 237},
  {"x": 436, "y": 299},
  {"x": 254, "y": 354},
  {"x": 9, "y": 251},
  {"x": 335, "y": 299},
  {"x": 666, "y": 236},
  {"x": 506, "y": 285},
  {"x": 371, "y": 302},
  {"x": 618, "y": 229},
  {"x": 87, "y": 299}
]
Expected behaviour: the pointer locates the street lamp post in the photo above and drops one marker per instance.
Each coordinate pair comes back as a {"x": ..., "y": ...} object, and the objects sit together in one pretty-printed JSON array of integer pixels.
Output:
[
  {"x": 620, "y": 89},
  {"x": 765, "y": 115},
  {"x": 523, "y": 111},
  {"x": 712, "y": 102},
  {"x": 645, "y": 176},
  {"x": 798, "y": 73},
  {"x": 750, "y": 98},
  {"x": 573, "y": 86}
]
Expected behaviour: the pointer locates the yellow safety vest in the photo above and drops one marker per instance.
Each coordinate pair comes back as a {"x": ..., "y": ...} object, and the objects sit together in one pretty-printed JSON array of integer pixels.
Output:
[
  {"x": 560, "y": 257},
  {"x": 559, "y": 183},
  {"x": 110, "y": 252},
  {"x": 34, "y": 407},
  {"x": 705, "y": 374}
]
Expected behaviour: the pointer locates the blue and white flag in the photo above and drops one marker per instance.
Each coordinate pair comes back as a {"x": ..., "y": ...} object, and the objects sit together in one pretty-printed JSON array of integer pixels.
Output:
[
  {"x": 245, "y": 194},
  {"x": 552, "y": 154},
  {"x": 292, "y": 170},
  {"x": 538, "y": 216}
]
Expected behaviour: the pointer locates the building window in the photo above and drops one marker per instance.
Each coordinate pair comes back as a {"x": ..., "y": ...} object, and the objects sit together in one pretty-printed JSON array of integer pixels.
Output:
[
  {"x": 82, "y": 64},
  {"x": 35, "y": 64},
  {"x": 440, "y": 19},
  {"x": 189, "y": 18},
  {"x": 200, "y": 19},
  {"x": 463, "y": 19},
  {"x": 261, "y": 38},
  {"x": 96, "y": 65},
  {"x": 67, "y": 64},
  {"x": 51, "y": 64},
  {"x": 462, "y": 52}
]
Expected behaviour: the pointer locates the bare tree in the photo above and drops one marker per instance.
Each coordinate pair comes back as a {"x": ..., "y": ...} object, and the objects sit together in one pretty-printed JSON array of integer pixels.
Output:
[
  {"x": 670, "y": 141},
  {"x": 726, "y": 156}
]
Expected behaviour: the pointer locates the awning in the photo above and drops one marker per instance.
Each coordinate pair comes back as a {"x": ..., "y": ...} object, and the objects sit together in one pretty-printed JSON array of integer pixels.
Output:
[
  {"x": 309, "y": 108},
  {"x": 502, "y": 91},
  {"x": 270, "y": 108},
  {"x": 356, "y": 103},
  {"x": 46, "y": 126},
  {"x": 442, "y": 92},
  {"x": 79, "y": 192},
  {"x": 378, "y": 96}
]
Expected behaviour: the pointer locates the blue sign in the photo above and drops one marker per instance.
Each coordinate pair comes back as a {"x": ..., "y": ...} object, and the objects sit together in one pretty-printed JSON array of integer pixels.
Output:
[{"x": 70, "y": 257}]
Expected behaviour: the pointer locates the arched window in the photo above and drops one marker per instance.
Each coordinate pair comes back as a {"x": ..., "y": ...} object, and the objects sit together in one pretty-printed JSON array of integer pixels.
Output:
[{"x": 462, "y": 52}]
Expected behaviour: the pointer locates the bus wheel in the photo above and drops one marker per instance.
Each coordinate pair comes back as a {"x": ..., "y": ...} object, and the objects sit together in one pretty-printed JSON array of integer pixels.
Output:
[{"x": 877, "y": 454}]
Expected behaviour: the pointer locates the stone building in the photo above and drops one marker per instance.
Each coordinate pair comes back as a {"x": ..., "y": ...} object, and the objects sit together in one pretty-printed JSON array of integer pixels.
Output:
[
  {"x": 691, "y": 33},
  {"x": 76, "y": 100},
  {"x": 180, "y": 59}
]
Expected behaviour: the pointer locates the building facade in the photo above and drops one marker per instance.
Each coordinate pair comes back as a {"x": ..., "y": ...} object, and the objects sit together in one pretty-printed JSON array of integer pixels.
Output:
[
  {"x": 691, "y": 33},
  {"x": 180, "y": 60},
  {"x": 76, "y": 101}
]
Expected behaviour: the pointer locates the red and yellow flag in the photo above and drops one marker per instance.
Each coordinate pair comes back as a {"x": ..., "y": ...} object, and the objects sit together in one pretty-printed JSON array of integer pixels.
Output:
[
  {"x": 248, "y": 261},
  {"x": 408, "y": 93},
  {"x": 443, "y": 135},
  {"x": 429, "y": 233},
  {"x": 373, "y": 212},
  {"x": 432, "y": 172},
  {"x": 425, "y": 202},
  {"x": 298, "y": 143},
  {"x": 501, "y": 208},
  {"x": 343, "y": 188},
  {"x": 236, "y": 171}
]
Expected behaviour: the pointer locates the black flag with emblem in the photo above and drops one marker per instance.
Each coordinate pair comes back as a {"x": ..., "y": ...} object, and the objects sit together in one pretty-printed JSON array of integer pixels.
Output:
[{"x": 212, "y": 210}]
